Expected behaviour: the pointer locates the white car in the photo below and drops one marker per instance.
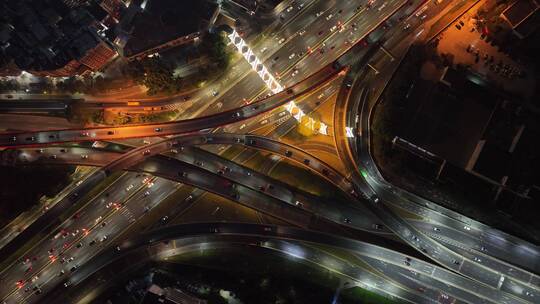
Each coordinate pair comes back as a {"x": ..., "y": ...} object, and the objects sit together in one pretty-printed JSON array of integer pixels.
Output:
[
  {"x": 302, "y": 32},
  {"x": 294, "y": 73},
  {"x": 289, "y": 9},
  {"x": 292, "y": 56},
  {"x": 319, "y": 14},
  {"x": 264, "y": 49},
  {"x": 329, "y": 17},
  {"x": 281, "y": 40},
  {"x": 333, "y": 28}
]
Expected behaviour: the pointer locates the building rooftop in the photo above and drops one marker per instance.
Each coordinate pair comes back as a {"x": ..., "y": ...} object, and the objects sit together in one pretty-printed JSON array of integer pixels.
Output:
[{"x": 519, "y": 11}]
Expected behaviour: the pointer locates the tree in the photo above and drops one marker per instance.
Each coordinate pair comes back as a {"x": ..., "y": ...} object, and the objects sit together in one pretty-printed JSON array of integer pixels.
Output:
[{"x": 155, "y": 74}]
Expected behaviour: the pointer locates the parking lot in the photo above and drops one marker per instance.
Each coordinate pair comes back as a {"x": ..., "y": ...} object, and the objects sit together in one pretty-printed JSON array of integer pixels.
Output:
[{"x": 470, "y": 48}]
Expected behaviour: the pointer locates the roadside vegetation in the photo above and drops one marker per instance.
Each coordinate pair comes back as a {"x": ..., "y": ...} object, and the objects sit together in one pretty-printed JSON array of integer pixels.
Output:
[{"x": 157, "y": 73}]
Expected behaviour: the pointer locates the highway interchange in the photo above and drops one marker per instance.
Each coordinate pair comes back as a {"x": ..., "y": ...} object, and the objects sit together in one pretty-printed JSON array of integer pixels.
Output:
[{"x": 130, "y": 197}]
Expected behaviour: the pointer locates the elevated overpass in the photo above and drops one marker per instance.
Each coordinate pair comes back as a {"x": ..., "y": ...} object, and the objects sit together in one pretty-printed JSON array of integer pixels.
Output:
[
  {"x": 40, "y": 138},
  {"x": 134, "y": 159},
  {"x": 174, "y": 240}
]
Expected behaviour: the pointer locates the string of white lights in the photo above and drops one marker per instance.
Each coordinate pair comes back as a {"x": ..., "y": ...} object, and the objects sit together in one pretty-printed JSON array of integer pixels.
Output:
[{"x": 272, "y": 83}]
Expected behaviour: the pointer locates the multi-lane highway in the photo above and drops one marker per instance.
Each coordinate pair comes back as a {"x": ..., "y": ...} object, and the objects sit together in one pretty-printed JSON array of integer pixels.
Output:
[
  {"x": 312, "y": 36},
  {"x": 521, "y": 285},
  {"x": 390, "y": 263},
  {"x": 340, "y": 215}
]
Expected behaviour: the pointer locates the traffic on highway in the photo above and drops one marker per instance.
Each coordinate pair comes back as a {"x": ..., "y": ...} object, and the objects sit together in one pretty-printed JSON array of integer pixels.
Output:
[{"x": 137, "y": 205}]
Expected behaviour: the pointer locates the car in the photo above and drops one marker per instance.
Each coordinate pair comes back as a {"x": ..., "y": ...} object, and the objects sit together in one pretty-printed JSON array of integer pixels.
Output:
[
  {"x": 84, "y": 156},
  {"x": 289, "y": 9},
  {"x": 302, "y": 32},
  {"x": 70, "y": 259},
  {"x": 215, "y": 93},
  {"x": 146, "y": 193},
  {"x": 74, "y": 268},
  {"x": 347, "y": 220},
  {"x": 482, "y": 248},
  {"x": 104, "y": 238},
  {"x": 61, "y": 273},
  {"x": 62, "y": 260},
  {"x": 79, "y": 245},
  {"x": 436, "y": 229},
  {"x": 110, "y": 132},
  {"x": 264, "y": 49},
  {"x": 130, "y": 187},
  {"x": 333, "y": 28},
  {"x": 467, "y": 228},
  {"x": 299, "y": 204},
  {"x": 319, "y": 14},
  {"x": 93, "y": 242},
  {"x": 329, "y": 17},
  {"x": 292, "y": 56},
  {"x": 85, "y": 134},
  {"x": 476, "y": 259},
  {"x": 281, "y": 40},
  {"x": 164, "y": 219},
  {"x": 288, "y": 153},
  {"x": 146, "y": 152},
  {"x": 455, "y": 262},
  {"x": 236, "y": 115},
  {"x": 321, "y": 32},
  {"x": 378, "y": 226},
  {"x": 158, "y": 129},
  {"x": 374, "y": 198}
]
